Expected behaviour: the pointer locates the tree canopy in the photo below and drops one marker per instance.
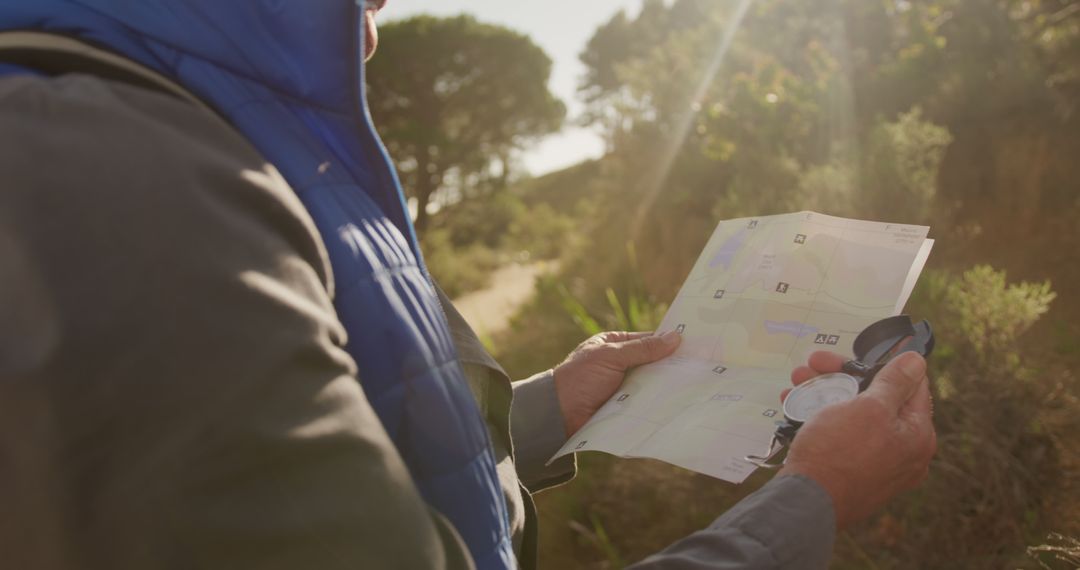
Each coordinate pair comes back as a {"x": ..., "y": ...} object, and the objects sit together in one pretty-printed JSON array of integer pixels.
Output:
[{"x": 454, "y": 99}]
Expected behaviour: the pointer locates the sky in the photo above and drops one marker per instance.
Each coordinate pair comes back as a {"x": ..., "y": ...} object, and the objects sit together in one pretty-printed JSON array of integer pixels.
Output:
[{"x": 561, "y": 28}]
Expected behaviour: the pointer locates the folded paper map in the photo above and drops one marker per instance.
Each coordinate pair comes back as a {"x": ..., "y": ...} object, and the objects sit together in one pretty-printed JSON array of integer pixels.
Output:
[{"x": 764, "y": 294}]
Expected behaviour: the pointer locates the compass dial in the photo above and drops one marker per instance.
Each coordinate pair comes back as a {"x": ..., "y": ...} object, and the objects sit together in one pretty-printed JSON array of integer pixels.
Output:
[{"x": 806, "y": 400}]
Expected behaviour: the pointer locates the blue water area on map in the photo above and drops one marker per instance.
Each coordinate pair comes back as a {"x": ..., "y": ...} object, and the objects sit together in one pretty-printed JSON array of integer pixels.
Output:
[
  {"x": 731, "y": 246},
  {"x": 793, "y": 328}
]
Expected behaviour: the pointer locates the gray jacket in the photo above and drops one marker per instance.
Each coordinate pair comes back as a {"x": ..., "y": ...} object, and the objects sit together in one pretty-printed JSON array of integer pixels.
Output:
[{"x": 173, "y": 391}]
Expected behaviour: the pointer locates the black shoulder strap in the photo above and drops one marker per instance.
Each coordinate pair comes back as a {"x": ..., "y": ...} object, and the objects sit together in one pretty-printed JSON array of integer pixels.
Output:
[{"x": 54, "y": 54}]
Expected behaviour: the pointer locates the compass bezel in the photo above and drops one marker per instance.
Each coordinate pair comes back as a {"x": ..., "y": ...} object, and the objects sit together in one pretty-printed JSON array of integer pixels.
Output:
[{"x": 800, "y": 392}]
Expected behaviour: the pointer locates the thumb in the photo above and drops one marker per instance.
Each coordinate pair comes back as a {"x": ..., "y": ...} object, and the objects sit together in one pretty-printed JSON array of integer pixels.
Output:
[
  {"x": 899, "y": 380},
  {"x": 646, "y": 349}
]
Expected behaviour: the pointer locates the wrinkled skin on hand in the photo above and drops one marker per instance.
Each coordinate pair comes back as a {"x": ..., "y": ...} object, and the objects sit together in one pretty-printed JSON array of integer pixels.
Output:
[
  {"x": 596, "y": 368},
  {"x": 866, "y": 451}
]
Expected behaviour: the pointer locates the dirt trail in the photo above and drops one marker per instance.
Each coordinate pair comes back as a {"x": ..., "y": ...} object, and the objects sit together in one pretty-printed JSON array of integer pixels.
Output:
[{"x": 489, "y": 310}]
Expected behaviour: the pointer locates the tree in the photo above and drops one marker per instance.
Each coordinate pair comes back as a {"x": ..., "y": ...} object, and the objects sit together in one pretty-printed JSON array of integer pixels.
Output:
[{"x": 455, "y": 99}]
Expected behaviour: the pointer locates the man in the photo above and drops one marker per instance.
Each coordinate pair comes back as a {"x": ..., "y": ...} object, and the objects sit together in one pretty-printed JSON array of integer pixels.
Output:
[{"x": 208, "y": 364}]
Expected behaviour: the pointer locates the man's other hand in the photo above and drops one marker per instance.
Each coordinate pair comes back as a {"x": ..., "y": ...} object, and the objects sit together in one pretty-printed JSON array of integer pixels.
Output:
[
  {"x": 596, "y": 368},
  {"x": 866, "y": 451}
]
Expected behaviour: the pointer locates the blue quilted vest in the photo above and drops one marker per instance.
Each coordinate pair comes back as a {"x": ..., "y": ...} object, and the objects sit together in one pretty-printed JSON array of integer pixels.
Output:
[{"x": 289, "y": 76}]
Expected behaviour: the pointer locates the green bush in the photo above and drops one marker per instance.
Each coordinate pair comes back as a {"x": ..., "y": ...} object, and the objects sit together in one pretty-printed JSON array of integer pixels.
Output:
[
  {"x": 992, "y": 315},
  {"x": 466, "y": 242},
  {"x": 998, "y": 448},
  {"x": 458, "y": 270},
  {"x": 542, "y": 232},
  {"x": 482, "y": 220},
  {"x": 900, "y": 169}
]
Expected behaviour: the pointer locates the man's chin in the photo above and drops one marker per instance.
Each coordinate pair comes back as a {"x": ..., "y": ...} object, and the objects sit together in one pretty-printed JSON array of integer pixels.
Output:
[{"x": 371, "y": 34}]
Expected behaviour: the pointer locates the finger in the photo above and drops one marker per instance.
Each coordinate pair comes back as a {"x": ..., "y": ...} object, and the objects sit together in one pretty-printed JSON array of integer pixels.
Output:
[
  {"x": 820, "y": 362},
  {"x": 802, "y": 374},
  {"x": 899, "y": 381},
  {"x": 920, "y": 403},
  {"x": 623, "y": 336},
  {"x": 919, "y": 477},
  {"x": 824, "y": 362},
  {"x": 784, "y": 394},
  {"x": 645, "y": 349},
  {"x": 919, "y": 413}
]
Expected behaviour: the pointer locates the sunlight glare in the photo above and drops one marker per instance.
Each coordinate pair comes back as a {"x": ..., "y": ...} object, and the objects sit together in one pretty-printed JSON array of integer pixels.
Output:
[{"x": 684, "y": 124}]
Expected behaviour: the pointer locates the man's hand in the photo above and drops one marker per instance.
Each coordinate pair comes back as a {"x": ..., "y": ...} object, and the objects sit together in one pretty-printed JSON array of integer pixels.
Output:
[
  {"x": 596, "y": 368},
  {"x": 866, "y": 451}
]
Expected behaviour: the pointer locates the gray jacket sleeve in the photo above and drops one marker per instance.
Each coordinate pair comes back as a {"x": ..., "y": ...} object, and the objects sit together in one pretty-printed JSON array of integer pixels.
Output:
[
  {"x": 538, "y": 430},
  {"x": 788, "y": 524},
  {"x": 175, "y": 393}
]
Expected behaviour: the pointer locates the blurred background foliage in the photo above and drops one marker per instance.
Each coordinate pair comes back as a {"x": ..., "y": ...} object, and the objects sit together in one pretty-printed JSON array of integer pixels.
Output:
[
  {"x": 959, "y": 114},
  {"x": 454, "y": 98}
]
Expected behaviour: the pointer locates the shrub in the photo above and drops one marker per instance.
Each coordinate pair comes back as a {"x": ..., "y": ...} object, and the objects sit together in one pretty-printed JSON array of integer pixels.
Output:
[
  {"x": 997, "y": 456},
  {"x": 458, "y": 270},
  {"x": 542, "y": 232}
]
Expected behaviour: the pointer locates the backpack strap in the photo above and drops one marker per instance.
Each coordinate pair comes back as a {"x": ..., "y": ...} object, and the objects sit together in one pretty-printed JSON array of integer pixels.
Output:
[{"x": 55, "y": 55}]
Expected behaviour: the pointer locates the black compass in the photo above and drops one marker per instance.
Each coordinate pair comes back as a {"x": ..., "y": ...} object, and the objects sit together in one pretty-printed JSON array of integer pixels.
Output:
[{"x": 874, "y": 348}]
